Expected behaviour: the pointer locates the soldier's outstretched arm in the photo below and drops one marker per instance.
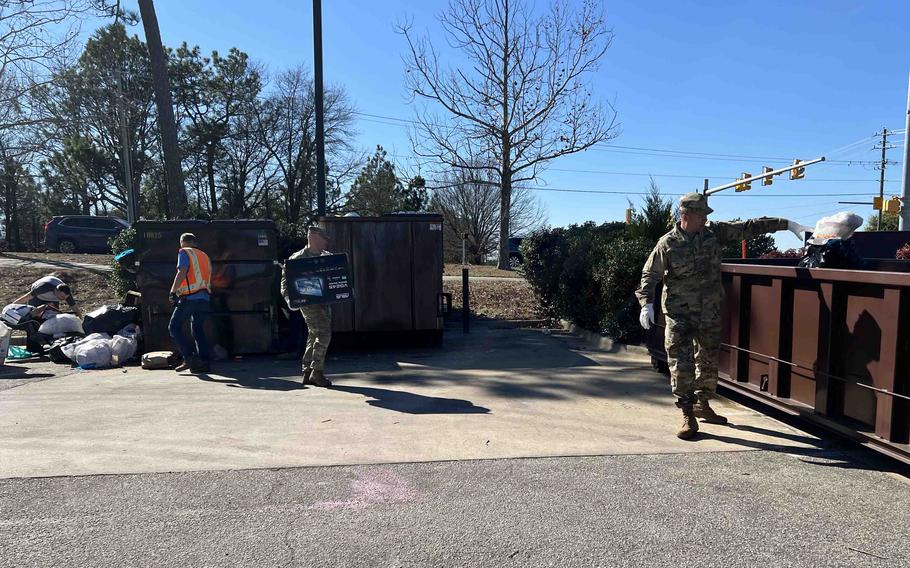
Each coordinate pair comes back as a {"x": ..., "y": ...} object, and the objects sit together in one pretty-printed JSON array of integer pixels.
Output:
[
  {"x": 731, "y": 232},
  {"x": 651, "y": 274}
]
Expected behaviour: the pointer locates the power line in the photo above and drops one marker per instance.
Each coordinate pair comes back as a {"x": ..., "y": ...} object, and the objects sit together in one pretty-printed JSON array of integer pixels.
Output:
[{"x": 658, "y": 152}]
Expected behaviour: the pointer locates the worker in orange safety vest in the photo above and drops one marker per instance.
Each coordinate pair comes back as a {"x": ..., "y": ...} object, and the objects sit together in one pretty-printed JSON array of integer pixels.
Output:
[{"x": 190, "y": 294}]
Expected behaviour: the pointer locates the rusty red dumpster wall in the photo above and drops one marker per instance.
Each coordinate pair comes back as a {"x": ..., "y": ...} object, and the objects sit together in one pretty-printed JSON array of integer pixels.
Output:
[{"x": 828, "y": 343}]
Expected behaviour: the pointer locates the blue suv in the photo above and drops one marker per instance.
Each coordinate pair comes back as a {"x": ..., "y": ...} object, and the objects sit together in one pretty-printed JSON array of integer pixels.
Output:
[{"x": 81, "y": 233}]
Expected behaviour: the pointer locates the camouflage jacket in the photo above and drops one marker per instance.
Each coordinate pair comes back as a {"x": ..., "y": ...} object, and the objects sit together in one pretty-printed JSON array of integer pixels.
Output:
[
  {"x": 689, "y": 265},
  {"x": 302, "y": 253}
]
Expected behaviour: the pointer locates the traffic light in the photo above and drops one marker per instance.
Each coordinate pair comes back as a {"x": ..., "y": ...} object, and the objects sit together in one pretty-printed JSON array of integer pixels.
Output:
[
  {"x": 744, "y": 186},
  {"x": 893, "y": 205},
  {"x": 877, "y": 204},
  {"x": 798, "y": 173},
  {"x": 766, "y": 180}
]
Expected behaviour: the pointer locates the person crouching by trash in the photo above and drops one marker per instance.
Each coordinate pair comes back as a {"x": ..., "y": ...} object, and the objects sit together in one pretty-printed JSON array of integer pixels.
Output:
[
  {"x": 190, "y": 294},
  {"x": 318, "y": 318},
  {"x": 49, "y": 292}
]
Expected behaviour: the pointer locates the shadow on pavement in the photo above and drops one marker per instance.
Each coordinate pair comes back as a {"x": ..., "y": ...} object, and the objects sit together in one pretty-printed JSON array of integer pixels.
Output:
[
  {"x": 410, "y": 403},
  {"x": 251, "y": 381}
]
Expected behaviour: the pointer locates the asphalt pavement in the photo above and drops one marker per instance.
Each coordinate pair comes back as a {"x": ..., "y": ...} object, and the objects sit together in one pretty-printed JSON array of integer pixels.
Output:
[
  {"x": 739, "y": 509},
  {"x": 506, "y": 447}
]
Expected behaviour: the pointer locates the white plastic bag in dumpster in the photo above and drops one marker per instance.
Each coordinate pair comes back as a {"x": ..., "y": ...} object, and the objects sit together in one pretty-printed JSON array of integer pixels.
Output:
[
  {"x": 13, "y": 313},
  {"x": 4, "y": 341},
  {"x": 93, "y": 354},
  {"x": 61, "y": 324},
  {"x": 70, "y": 350},
  {"x": 123, "y": 349},
  {"x": 838, "y": 226}
]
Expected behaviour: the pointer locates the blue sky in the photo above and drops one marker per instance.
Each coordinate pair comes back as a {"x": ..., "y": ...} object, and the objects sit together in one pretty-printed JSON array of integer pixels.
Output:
[{"x": 746, "y": 78}]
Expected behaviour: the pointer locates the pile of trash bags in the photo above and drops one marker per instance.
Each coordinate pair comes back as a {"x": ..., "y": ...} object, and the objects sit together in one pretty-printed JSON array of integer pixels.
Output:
[
  {"x": 831, "y": 245},
  {"x": 106, "y": 337}
]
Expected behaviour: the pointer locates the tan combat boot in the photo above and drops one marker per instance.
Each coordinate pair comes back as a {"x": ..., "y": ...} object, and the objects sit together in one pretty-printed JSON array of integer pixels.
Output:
[
  {"x": 689, "y": 426},
  {"x": 318, "y": 379},
  {"x": 704, "y": 411}
]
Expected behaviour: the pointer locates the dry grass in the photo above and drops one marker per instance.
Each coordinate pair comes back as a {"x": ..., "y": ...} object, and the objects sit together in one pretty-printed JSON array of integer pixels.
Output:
[
  {"x": 498, "y": 299},
  {"x": 481, "y": 270}
]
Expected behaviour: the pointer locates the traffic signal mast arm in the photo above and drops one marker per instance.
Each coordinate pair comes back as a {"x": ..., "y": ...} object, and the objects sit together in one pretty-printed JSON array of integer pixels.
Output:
[{"x": 740, "y": 182}]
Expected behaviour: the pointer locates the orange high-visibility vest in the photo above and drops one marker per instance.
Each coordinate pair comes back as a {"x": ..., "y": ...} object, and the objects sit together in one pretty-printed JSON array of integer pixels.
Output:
[{"x": 198, "y": 275}]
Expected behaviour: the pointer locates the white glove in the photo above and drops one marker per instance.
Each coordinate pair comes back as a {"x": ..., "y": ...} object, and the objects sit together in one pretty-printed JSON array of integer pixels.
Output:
[
  {"x": 798, "y": 230},
  {"x": 646, "y": 318}
]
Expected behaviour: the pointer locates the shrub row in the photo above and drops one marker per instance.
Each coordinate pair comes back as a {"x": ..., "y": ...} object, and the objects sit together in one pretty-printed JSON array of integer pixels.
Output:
[{"x": 588, "y": 274}]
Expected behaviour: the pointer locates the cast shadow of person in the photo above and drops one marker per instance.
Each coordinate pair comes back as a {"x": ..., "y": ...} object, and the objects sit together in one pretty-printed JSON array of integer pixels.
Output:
[{"x": 410, "y": 403}]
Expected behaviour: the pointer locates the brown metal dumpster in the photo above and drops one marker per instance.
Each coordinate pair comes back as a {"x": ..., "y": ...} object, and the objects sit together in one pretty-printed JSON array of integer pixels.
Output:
[
  {"x": 830, "y": 345},
  {"x": 244, "y": 281},
  {"x": 396, "y": 265}
]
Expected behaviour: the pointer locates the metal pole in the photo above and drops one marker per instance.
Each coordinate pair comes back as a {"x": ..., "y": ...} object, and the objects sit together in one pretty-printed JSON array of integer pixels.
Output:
[
  {"x": 904, "y": 224},
  {"x": 465, "y": 301},
  {"x": 320, "y": 126},
  {"x": 881, "y": 179}
]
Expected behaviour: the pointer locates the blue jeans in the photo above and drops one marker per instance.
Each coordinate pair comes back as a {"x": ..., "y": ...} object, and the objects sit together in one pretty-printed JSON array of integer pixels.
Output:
[{"x": 198, "y": 310}]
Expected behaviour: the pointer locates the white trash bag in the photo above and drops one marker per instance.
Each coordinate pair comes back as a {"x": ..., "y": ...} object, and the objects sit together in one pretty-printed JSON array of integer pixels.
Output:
[
  {"x": 93, "y": 354},
  {"x": 61, "y": 324},
  {"x": 123, "y": 349},
  {"x": 838, "y": 226},
  {"x": 70, "y": 349}
]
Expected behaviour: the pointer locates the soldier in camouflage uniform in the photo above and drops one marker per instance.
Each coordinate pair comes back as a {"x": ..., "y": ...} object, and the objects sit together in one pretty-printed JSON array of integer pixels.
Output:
[
  {"x": 687, "y": 260},
  {"x": 318, "y": 318}
]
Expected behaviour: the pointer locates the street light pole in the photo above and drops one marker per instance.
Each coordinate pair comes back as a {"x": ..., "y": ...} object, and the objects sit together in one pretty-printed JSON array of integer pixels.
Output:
[{"x": 320, "y": 126}]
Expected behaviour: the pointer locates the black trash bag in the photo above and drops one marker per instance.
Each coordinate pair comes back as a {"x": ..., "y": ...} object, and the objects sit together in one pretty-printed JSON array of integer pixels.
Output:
[
  {"x": 109, "y": 319},
  {"x": 55, "y": 351},
  {"x": 836, "y": 253}
]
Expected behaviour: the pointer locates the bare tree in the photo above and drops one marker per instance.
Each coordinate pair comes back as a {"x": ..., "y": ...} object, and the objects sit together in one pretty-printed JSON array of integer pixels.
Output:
[
  {"x": 36, "y": 40},
  {"x": 519, "y": 94},
  {"x": 287, "y": 123},
  {"x": 470, "y": 207}
]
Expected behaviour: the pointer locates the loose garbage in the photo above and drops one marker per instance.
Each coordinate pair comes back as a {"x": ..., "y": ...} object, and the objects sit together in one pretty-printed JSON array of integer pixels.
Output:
[{"x": 15, "y": 314}]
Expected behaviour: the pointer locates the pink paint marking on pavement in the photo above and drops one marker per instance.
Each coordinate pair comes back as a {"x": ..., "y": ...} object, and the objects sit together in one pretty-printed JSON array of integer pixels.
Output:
[{"x": 373, "y": 487}]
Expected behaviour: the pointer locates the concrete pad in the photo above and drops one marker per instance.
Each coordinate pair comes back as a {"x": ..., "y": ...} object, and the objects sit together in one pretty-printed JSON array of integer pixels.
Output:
[{"x": 498, "y": 393}]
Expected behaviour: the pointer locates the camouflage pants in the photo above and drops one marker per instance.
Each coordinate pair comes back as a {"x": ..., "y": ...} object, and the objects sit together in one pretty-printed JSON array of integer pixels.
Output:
[
  {"x": 693, "y": 346},
  {"x": 319, "y": 335}
]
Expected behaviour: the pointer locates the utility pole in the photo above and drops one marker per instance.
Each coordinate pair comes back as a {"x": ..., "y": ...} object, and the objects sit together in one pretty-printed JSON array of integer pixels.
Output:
[
  {"x": 905, "y": 193},
  {"x": 881, "y": 179},
  {"x": 320, "y": 125}
]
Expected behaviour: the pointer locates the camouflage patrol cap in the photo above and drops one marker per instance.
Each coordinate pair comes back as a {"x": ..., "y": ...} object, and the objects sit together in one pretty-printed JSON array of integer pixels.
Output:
[
  {"x": 695, "y": 202},
  {"x": 313, "y": 229}
]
